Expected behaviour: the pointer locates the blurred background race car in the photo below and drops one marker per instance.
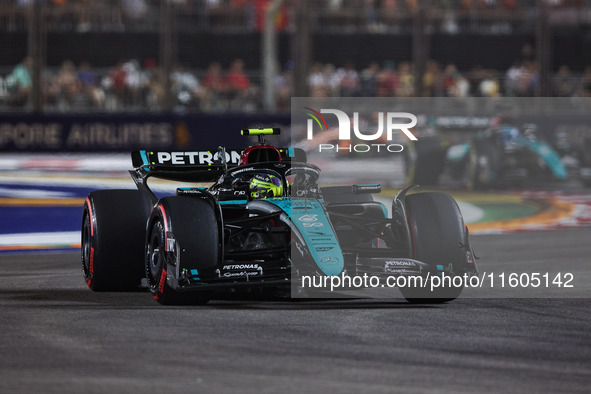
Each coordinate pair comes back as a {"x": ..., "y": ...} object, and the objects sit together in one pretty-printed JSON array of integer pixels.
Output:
[
  {"x": 500, "y": 156},
  {"x": 504, "y": 155}
]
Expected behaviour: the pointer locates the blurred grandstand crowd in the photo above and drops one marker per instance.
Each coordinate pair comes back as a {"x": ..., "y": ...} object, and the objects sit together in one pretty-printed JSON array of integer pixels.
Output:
[
  {"x": 521, "y": 80},
  {"x": 354, "y": 15},
  {"x": 130, "y": 85},
  {"x": 139, "y": 84}
]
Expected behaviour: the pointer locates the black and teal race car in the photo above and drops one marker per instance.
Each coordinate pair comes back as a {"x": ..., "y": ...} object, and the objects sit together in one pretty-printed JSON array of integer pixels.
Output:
[
  {"x": 495, "y": 157},
  {"x": 210, "y": 240}
]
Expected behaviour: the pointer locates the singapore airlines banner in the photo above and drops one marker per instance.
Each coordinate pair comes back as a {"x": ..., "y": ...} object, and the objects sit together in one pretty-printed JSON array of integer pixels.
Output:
[{"x": 125, "y": 132}]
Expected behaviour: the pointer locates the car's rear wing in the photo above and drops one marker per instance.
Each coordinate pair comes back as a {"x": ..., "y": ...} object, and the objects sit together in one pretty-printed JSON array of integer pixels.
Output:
[
  {"x": 182, "y": 166},
  {"x": 196, "y": 165},
  {"x": 201, "y": 159},
  {"x": 170, "y": 160}
]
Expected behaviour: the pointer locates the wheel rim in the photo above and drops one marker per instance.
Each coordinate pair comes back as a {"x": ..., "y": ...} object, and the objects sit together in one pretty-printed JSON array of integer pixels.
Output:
[
  {"x": 155, "y": 255},
  {"x": 86, "y": 242}
]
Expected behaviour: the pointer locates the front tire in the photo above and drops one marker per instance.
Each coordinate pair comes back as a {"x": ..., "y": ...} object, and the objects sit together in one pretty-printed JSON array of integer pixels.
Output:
[
  {"x": 425, "y": 162},
  {"x": 197, "y": 240},
  {"x": 438, "y": 238}
]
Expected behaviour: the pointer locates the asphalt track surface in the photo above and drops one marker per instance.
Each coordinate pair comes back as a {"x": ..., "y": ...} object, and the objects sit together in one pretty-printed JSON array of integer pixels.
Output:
[{"x": 58, "y": 336}]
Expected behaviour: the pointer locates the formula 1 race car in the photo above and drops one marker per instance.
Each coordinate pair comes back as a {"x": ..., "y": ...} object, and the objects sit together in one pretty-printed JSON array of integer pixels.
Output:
[
  {"x": 499, "y": 156},
  {"x": 263, "y": 223}
]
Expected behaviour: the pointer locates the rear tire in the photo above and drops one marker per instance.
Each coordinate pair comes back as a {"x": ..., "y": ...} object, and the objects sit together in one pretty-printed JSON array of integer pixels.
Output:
[
  {"x": 425, "y": 164},
  {"x": 438, "y": 238},
  {"x": 113, "y": 236}
]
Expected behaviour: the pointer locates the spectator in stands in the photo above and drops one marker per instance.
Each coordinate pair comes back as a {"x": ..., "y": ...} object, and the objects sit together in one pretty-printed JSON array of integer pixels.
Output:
[
  {"x": 237, "y": 84},
  {"x": 134, "y": 9},
  {"x": 86, "y": 75},
  {"x": 115, "y": 86},
  {"x": 475, "y": 77},
  {"x": 19, "y": 82},
  {"x": 80, "y": 97},
  {"x": 531, "y": 80},
  {"x": 146, "y": 74},
  {"x": 67, "y": 79},
  {"x": 563, "y": 82},
  {"x": 283, "y": 83},
  {"x": 522, "y": 79},
  {"x": 370, "y": 12},
  {"x": 50, "y": 90},
  {"x": 369, "y": 80},
  {"x": 513, "y": 78},
  {"x": 89, "y": 84},
  {"x": 462, "y": 86},
  {"x": 431, "y": 79},
  {"x": 489, "y": 84},
  {"x": 236, "y": 79},
  {"x": 154, "y": 92},
  {"x": 133, "y": 82},
  {"x": 449, "y": 24},
  {"x": 331, "y": 80},
  {"x": 317, "y": 84},
  {"x": 454, "y": 83},
  {"x": 387, "y": 80},
  {"x": 214, "y": 87},
  {"x": 186, "y": 88},
  {"x": 349, "y": 81},
  {"x": 406, "y": 86}
]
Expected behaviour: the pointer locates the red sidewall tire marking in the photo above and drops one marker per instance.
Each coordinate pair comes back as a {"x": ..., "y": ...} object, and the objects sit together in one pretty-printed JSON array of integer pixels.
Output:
[{"x": 162, "y": 282}]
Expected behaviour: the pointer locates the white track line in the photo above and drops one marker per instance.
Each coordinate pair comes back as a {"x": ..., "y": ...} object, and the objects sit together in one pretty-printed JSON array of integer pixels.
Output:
[{"x": 57, "y": 238}]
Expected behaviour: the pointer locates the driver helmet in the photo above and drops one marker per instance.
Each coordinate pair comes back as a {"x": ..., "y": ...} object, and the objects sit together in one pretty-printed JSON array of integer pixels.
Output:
[
  {"x": 509, "y": 134},
  {"x": 530, "y": 130},
  {"x": 265, "y": 186}
]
